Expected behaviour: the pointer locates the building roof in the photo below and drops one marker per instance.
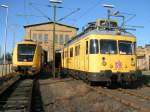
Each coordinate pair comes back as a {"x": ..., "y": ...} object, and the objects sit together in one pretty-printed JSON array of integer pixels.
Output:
[{"x": 31, "y": 25}]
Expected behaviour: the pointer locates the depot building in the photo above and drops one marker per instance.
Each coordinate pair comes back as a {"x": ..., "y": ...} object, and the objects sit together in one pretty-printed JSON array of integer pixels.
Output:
[{"x": 43, "y": 33}]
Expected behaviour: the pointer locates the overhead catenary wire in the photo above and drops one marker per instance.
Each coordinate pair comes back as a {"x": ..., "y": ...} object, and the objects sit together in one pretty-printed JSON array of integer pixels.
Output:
[
  {"x": 37, "y": 9},
  {"x": 25, "y": 12},
  {"x": 87, "y": 11},
  {"x": 69, "y": 14}
]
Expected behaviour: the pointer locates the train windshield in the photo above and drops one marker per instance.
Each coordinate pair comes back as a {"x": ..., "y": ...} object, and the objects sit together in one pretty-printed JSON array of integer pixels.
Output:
[
  {"x": 126, "y": 47},
  {"x": 94, "y": 46},
  {"x": 26, "y": 52},
  {"x": 108, "y": 47}
]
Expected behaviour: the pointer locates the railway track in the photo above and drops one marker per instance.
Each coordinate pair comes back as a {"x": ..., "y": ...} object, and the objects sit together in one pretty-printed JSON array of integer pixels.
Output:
[
  {"x": 7, "y": 83},
  {"x": 134, "y": 100},
  {"x": 36, "y": 101},
  {"x": 134, "y": 93},
  {"x": 17, "y": 97}
]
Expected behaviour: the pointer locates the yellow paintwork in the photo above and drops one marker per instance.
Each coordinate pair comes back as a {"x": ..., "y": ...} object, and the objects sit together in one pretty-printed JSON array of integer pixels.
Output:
[
  {"x": 93, "y": 62},
  {"x": 37, "y": 60}
]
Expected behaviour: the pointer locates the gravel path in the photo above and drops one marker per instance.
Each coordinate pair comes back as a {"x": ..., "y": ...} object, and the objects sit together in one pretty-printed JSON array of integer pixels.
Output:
[{"x": 74, "y": 96}]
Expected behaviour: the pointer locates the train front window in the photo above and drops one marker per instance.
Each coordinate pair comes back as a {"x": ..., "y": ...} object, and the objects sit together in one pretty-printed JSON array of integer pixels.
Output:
[
  {"x": 126, "y": 47},
  {"x": 26, "y": 52},
  {"x": 108, "y": 47},
  {"x": 94, "y": 46}
]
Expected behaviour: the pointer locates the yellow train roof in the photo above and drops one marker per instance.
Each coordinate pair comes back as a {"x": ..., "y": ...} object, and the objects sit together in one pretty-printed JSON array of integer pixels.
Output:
[{"x": 27, "y": 42}]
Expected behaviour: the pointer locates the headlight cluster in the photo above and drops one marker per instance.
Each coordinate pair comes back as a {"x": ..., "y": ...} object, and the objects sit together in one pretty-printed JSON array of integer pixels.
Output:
[
  {"x": 132, "y": 62},
  {"x": 104, "y": 61}
]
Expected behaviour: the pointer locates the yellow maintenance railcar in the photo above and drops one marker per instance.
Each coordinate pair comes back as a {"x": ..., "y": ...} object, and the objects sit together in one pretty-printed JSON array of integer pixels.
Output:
[
  {"x": 101, "y": 53},
  {"x": 27, "y": 57}
]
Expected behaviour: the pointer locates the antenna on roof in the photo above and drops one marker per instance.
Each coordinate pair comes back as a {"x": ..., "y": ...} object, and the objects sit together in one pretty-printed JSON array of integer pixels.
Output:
[{"x": 108, "y": 6}]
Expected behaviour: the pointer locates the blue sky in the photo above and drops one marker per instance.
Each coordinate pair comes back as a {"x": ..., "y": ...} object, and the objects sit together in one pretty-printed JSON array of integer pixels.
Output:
[{"x": 90, "y": 10}]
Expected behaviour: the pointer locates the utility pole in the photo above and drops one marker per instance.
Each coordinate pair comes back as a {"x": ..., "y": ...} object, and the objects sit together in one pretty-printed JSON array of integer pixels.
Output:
[
  {"x": 54, "y": 31},
  {"x": 5, "y": 39}
]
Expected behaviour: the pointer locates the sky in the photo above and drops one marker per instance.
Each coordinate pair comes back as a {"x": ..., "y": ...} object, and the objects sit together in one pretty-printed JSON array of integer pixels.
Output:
[{"x": 90, "y": 10}]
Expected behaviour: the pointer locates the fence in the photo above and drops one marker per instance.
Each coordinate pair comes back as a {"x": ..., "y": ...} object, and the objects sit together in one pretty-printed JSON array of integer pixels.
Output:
[{"x": 5, "y": 69}]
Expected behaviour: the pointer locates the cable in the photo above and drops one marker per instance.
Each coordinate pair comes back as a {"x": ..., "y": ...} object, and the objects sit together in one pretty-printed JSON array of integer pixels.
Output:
[
  {"x": 69, "y": 14},
  {"x": 26, "y": 19},
  {"x": 88, "y": 10},
  {"x": 40, "y": 11}
]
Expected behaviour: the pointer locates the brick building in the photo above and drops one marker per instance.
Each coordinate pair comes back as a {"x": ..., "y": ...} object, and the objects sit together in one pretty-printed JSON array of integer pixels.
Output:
[
  {"x": 143, "y": 57},
  {"x": 43, "y": 33}
]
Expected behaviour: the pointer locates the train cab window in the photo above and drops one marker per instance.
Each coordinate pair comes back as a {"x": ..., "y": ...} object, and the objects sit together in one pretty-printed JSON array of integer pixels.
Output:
[
  {"x": 94, "y": 46},
  {"x": 126, "y": 47},
  {"x": 71, "y": 52},
  {"x": 134, "y": 47},
  {"x": 26, "y": 52},
  {"x": 87, "y": 47},
  {"x": 108, "y": 46}
]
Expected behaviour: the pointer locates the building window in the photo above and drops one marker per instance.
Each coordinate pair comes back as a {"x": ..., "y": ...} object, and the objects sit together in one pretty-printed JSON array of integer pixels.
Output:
[
  {"x": 45, "y": 37},
  {"x": 66, "y": 38},
  {"x": 61, "y": 39},
  {"x": 56, "y": 38},
  {"x": 34, "y": 37},
  {"x": 40, "y": 37}
]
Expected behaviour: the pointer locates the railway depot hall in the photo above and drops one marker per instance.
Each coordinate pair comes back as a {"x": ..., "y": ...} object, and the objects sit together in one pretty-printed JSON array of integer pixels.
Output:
[{"x": 43, "y": 33}]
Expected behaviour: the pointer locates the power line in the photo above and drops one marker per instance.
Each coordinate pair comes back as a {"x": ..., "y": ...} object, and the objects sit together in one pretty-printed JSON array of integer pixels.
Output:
[
  {"x": 88, "y": 10},
  {"x": 69, "y": 14},
  {"x": 26, "y": 19},
  {"x": 37, "y": 9}
]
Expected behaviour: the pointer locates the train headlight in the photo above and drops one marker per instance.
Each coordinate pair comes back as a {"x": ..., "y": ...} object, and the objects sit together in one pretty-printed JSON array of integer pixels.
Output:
[
  {"x": 34, "y": 67},
  {"x": 104, "y": 62},
  {"x": 132, "y": 62}
]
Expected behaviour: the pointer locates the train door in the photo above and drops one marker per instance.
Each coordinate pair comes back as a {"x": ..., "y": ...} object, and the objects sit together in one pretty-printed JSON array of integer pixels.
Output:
[{"x": 86, "y": 56}]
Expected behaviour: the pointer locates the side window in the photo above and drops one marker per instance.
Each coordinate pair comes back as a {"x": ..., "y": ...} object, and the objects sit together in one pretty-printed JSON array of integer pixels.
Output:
[
  {"x": 76, "y": 48},
  {"x": 87, "y": 47},
  {"x": 71, "y": 52},
  {"x": 134, "y": 47}
]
